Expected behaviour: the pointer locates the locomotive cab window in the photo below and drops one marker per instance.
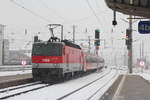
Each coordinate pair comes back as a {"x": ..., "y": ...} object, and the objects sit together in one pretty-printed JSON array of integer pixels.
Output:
[{"x": 50, "y": 49}]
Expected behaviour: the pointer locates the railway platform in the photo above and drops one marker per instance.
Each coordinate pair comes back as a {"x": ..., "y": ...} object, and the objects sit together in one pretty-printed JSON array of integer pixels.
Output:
[
  {"x": 7, "y": 81},
  {"x": 129, "y": 87}
]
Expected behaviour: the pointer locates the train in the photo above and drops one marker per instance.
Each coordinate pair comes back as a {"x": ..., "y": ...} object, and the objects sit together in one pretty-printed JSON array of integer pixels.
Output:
[{"x": 54, "y": 60}]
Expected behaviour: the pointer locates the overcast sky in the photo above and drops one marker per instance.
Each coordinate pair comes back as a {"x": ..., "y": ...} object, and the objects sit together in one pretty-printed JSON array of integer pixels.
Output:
[{"x": 35, "y": 15}]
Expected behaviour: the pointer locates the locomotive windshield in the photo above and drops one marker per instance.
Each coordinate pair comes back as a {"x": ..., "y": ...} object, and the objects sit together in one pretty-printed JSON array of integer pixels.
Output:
[{"x": 49, "y": 49}]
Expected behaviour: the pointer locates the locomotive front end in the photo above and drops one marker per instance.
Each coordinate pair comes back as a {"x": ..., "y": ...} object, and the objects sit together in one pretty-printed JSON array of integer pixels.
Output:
[{"x": 46, "y": 61}]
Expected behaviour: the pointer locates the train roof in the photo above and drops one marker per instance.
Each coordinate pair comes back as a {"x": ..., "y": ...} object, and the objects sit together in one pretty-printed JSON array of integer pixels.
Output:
[
  {"x": 68, "y": 43},
  {"x": 63, "y": 42}
]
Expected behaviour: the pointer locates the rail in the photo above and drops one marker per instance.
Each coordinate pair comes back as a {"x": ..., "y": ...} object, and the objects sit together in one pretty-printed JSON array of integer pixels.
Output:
[{"x": 84, "y": 86}]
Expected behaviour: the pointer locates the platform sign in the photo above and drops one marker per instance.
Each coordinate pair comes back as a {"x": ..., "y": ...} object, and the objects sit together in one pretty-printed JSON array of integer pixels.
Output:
[
  {"x": 142, "y": 63},
  {"x": 144, "y": 27},
  {"x": 23, "y": 62}
]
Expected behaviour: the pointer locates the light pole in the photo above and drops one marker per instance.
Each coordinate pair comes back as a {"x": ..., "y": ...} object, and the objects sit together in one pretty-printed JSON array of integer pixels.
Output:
[
  {"x": 130, "y": 49},
  {"x": 74, "y": 29}
]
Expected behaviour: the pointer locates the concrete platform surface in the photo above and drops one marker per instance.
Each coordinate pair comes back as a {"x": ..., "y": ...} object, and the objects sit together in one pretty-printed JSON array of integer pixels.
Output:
[{"x": 132, "y": 87}]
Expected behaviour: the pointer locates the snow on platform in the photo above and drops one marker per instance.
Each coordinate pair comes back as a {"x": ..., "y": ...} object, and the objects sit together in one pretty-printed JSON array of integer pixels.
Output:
[
  {"x": 7, "y": 70},
  {"x": 9, "y": 73},
  {"x": 11, "y": 66},
  {"x": 57, "y": 90}
]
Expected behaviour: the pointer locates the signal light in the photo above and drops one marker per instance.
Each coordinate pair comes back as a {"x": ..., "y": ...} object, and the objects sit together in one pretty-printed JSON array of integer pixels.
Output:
[
  {"x": 97, "y": 34},
  {"x": 114, "y": 22},
  {"x": 97, "y": 42},
  {"x": 128, "y": 37},
  {"x": 97, "y": 38}
]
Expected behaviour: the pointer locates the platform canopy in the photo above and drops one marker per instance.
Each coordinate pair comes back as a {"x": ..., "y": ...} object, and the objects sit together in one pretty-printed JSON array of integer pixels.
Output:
[{"x": 138, "y": 8}]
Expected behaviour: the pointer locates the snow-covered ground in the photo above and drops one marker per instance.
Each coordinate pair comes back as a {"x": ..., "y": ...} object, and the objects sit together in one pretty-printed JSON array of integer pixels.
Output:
[
  {"x": 55, "y": 91},
  {"x": 145, "y": 73},
  {"x": 8, "y": 73},
  {"x": 146, "y": 76},
  {"x": 10, "y": 66}
]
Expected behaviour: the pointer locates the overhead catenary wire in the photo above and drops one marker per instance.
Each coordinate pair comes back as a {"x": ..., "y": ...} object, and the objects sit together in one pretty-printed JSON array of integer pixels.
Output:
[
  {"x": 61, "y": 17},
  {"x": 30, "y": 11},
  {"x": 102, "y": 12},
  {"x": 99, "y": 6},
  {"x": 33, "y": 12},
  {"x": 54, "y": 12},
  {"x": 97, "y": 18}
]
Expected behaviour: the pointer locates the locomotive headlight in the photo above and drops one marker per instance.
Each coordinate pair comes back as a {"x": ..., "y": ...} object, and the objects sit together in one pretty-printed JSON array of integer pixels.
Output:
[
  {"x": 35, "y": 65},
  {"x": 46, "y": 60},
  {"x": 56, "y": 65}
]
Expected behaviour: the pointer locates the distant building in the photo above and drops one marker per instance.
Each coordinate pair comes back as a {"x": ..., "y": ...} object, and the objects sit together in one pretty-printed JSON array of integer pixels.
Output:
[
  {"x": 13, "y": 57},
  {"x": 10, "y": 57},
  {"x": 6, "y": 52},
  {"x": 17, "y": 56},
  {"x": 1, "y": 43}
]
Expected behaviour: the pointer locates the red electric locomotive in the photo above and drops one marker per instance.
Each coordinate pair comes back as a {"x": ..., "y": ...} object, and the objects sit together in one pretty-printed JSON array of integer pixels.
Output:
[{"x": 54, "y": 60}]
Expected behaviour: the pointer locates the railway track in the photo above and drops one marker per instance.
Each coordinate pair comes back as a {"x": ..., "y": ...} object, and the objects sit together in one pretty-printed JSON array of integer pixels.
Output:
[
  {"x": 87, "y": 85},
  {"x": 11, "y": 92},
  {"x": 99, "y": 89},
  {"x": 21, "y": 89}
]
